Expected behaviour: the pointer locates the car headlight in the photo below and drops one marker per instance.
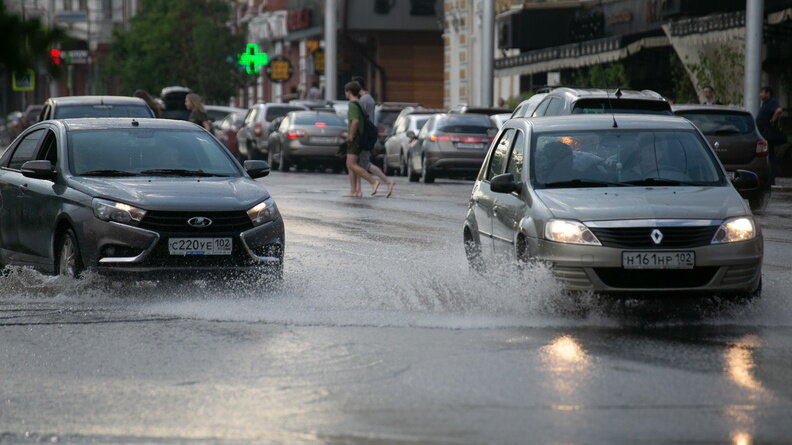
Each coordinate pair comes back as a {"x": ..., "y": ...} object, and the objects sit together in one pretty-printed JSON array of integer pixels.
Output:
[
  {"x": 735, "y": 229},
  {"x": 116, "y": 211},
  {"x": 262, "y": 212},
  {"x": 570, "y": 232}
]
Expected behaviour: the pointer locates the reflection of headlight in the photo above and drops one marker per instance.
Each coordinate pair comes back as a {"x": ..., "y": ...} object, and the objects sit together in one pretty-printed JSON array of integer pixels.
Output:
[
  {"x": 116, "y": 211},
  {"x": 735, "y": 229},
  {"x": 570, "y": 232},
  {"x": 262, "y": 212}
]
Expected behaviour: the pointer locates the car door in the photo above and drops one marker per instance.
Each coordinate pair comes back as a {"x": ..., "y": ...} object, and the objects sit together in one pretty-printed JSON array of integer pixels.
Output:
[
  {"x": 509, "y": 208},
  {"x": 12, "y": 185},
  {"x": 482, "y": 197},
  {"x": 415, "y": 151},
  {"x": 393, "y": 142},
  {"x": 40, "y": 205}
]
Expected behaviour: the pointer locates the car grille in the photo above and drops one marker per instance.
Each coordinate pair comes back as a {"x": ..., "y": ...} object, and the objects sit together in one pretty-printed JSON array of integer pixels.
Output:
[
  {"x": 640, "y": 237},
  {"x": 655, "y": 279},
  {"x": 222, "y": 222}
]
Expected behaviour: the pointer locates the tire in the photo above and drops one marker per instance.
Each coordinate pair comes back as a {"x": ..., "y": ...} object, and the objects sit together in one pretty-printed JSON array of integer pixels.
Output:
[
  {"x": 414, "y": 177},
  {"x": 473, "y": 253},
  {"x": 427, "y": 177},
  {"x": 759, "y": 202},
  {"x": 68, "y": 260}
]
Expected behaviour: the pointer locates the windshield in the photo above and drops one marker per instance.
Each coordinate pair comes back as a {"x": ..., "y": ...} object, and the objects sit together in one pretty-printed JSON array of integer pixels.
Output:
[
  {"x": 467, "y": 125},
  {"x": 273, "y": 112},
  {"x": 628, "y": 106},
  {"x": 81, "y": 111},
  {"x": 155, "y": 152},
  {"x": 622, "y": 158},
  {"x": 318, "y": 119},
  {"x": 386, "y": 118},
  {"x": 720, "y": 123}
]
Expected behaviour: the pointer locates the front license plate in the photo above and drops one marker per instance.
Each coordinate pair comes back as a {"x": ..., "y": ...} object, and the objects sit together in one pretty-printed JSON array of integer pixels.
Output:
[
  {"x": 658, "y": 260},
  {"x": 463, "y": 145},
  {"x": 199, "y": 246},
  {"x": 323, "y": 140}
]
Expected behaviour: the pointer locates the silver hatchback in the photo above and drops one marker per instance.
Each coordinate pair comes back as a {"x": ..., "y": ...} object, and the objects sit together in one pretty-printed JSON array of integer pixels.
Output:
[{"x": 621, "y": 204}]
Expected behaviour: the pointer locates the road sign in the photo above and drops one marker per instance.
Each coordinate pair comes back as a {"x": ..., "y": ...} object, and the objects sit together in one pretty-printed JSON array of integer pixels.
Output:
[
  {"x": 72, "y": 16},
  {"x": 279, "y": 69},
  {"x": 252, "y": 59},
  {"x": 24, "y": 81}
]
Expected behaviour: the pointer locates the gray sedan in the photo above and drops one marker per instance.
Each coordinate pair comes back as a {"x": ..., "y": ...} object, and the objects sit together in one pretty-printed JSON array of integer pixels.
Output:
[
  {"x": 623, "y": 204},
  {"x": 126, "y": 195},
  {"x": 307, "y": 137}
]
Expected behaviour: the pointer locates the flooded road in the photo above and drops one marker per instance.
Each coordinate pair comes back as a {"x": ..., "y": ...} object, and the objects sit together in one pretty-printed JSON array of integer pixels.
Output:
[{"x": 380, "y": 334}]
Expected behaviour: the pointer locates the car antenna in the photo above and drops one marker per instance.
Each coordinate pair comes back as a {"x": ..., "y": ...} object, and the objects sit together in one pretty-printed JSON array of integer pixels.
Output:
[{"x": 618, "y": 94}]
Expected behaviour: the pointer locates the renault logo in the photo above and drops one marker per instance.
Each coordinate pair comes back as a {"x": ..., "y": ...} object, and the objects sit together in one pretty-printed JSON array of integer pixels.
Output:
[
  {"x": 657, "y": 236},
  {"x": 199, "y": 221}
]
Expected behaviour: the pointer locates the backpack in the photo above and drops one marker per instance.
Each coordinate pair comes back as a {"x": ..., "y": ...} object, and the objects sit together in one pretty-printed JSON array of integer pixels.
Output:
[{"x": 369, "y": 137}]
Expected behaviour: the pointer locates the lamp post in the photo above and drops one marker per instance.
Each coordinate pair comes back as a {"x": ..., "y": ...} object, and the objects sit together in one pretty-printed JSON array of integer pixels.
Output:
[
  {"x": 331, "y": 49},
  {"x": 754, "y": 21}
]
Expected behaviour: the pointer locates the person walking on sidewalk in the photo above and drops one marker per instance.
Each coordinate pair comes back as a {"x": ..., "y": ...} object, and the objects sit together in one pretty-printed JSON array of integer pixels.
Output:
[
  {"x": 355, "y": 131},
  {"x": 369, "y": 107},
  {"x": 768, "y": 123}
]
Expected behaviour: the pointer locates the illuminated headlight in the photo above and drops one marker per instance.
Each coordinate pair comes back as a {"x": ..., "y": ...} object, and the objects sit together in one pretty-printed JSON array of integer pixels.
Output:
[
  {"x": 735, "y": 229},
  {"x": 569, "y": 232},
  {"x": 116, "y": 211},
  {"x": 262, "y": 212}
]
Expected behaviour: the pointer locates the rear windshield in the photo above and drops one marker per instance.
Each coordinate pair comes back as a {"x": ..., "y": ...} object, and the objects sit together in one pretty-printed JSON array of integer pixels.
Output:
[
  {"x": 629, "y": 106},
  {"x": 147, "y": 152},
  {"x": 273, "y": 112},
  {"x": 386, "y": 118},
  {"x": 330, "y": 120},
  {"x": 720, "y": 123},
  {"x": 79, "y": 111},
  {"x": 467, "y": 125}
]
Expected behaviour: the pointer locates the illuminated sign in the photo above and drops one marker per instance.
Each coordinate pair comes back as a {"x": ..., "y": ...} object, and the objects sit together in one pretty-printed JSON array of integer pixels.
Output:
[
  {"x": 279, "y": 69},
  {"x": 252, "y": 59},
  {"x": 318, "y": 62}
]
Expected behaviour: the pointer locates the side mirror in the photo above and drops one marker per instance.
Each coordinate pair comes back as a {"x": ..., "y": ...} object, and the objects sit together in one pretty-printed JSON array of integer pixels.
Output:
[
  {"x": 411, "y": 134},
  {"x": 744, "y": 180},
  {"x": 257, "y": 169},
  {"x": 38, "y": 170},
  {"x": 505, "y": 183}
]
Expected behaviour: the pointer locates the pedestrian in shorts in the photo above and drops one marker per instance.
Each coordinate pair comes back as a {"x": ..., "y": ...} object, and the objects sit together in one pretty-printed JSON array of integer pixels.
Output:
[
  {"x": 355, "y": 131},
  {"x": 369, "y": 107}
]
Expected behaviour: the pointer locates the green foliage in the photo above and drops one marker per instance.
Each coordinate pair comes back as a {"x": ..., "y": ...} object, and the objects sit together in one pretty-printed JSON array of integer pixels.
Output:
[
  {"x": 723, "y": 68},
  {"x": 177, "y": 43},
  {"x": 683, "y": 91},
  {"x": 513, "y": 101},
  {"x": 26, "y": 43},
  {"x": 612, "y": 75}
]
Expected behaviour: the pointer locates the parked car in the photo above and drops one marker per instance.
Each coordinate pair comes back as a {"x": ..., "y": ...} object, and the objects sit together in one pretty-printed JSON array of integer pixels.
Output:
[
  {"x": 733, "y": 135},
  {"x": 500, "y": 119},
  {"x": 562, "y": 101},
  {"x": 528, "y": 106},
  {"x": 310, "y": 104},
  {"x": 172, "y": 99},
  {"x": 74, "y": 107},
  {"x": 449, "y": 145},
  {"x": 31, "y": 115},
  {"x": 665, "y": 216},
  {"x": 252, "y": 144},
  {"x": 385, "y": 115},
  {"x": 307, "y": 138},
  {"x": 397, "y": 144},
  {"x": 134, "y": 195},
  {"x": 218, "y": 112},
  {"x": 11, "y": 127},
  {"x": 226, "y": 130}
]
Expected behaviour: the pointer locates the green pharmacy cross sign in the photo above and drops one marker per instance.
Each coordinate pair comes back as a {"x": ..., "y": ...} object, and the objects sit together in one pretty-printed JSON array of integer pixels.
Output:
[{"x": 252, "y": 59}]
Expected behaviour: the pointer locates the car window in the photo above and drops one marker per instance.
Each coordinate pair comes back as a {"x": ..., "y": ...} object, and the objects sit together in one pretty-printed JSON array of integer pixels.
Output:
[
  {"x": 516, "y": 156},
  {"x": 426, "y": 128},
  {"x": 276, "y": 111},
  {"x": 284, "y": 125},
  {"x": 714, "y": 123},
  {"x": 251, "y": 116},
  {"x": 540, "y": 110},
  {"x": 419, "y": 122},
  {"x": 82, "y": 111},
  {"x": 26, "y": 149},
  {"x": 555, "y": 108},
  {"x": 318, "y": 119},
  {"x": 613, "y": 105},
  {"x": 622, "y": 157},
  {"x": 49, "y": 148},
  {"x": 499, "y": 157}
]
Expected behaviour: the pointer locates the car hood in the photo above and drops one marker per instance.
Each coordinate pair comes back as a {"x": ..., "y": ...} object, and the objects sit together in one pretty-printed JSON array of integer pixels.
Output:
[
  {"x": 176, "y": 194},
  {"x": 643, "y": 203}
]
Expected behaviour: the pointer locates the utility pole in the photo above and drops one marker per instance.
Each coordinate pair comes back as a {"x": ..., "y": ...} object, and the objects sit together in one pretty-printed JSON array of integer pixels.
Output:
[
  {"x": 53, "y": 83},
  {"x": 331, "y": 49},
  {"x": 754, "y": 26},
  {"x": 487, "y": 51}
]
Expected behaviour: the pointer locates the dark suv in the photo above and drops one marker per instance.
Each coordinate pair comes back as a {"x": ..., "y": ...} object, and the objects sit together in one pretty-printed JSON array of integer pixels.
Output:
[
  {"x": 73, "y": 107},
  {"x": 563, "y": 101},
  {"x": 733, "y": 135}
]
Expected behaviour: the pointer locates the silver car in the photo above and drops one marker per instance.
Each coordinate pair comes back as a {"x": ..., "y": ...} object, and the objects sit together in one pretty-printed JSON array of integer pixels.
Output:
[
  {"x": 617, "y": 204},
  {"x": 307, "y": 137}
]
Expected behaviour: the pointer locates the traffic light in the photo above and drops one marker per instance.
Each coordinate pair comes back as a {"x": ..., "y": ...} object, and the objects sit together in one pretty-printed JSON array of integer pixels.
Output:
[{"x": 55, "y": 56}]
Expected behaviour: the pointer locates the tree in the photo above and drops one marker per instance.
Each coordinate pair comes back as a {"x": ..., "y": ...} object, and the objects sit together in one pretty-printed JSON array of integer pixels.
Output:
[
  {"x": 178, "y": 42},
  {"x": 25, "y": 42},
  {"x": 721, "y": 67},
  {"x": 613, "y": 75}
]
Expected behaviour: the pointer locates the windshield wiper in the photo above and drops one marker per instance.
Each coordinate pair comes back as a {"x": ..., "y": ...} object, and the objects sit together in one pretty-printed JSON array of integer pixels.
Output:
[
  {"x": 574, "y": 183},
  {"x": 178, "y": 172},
  {"x": 108, "y": 173},
  {"x": 663, "y": 181}
]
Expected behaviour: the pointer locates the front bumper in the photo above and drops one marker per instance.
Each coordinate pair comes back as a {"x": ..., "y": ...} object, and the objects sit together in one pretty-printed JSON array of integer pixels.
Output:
[
  {"x": 140, "y": 250},
  {"x": 723, "y": 268}
]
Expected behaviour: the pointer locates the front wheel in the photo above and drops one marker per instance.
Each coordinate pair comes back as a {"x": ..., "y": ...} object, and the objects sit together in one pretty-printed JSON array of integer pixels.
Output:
[{"x": 69, "y": 261}]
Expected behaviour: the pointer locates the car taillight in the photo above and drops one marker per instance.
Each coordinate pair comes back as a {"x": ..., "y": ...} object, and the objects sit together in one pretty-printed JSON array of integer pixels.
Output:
[
  {"x": 761, "y": 148},
  {"x": 320, "y": 124},
  {"x": 295, "y": 134},
  {"x": 257, "y": 129}
]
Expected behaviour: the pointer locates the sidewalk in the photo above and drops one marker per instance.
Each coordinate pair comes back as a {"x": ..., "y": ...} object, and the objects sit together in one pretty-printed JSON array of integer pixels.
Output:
[{"x": 783, "y": 184}]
